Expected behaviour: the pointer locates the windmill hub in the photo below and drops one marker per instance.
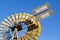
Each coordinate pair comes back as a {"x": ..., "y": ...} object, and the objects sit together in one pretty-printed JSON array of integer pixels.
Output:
[{"x": 18, "y": 27}]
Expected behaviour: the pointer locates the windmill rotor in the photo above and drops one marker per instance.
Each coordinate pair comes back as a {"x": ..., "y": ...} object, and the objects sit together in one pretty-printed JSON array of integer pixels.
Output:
[
  {"x": 24, "y": 26},
  {"x": 16, "y": 24}
]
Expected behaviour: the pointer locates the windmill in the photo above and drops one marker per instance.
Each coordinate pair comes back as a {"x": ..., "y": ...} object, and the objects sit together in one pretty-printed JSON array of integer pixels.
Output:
[{"x": 24, "y": 26}]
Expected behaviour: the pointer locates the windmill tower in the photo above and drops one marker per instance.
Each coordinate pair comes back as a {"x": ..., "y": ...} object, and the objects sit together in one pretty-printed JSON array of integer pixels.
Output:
[{"x": 24, "y": 26}]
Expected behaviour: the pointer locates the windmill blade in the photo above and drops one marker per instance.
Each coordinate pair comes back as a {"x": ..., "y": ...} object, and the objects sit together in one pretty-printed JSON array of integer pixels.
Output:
[
  {"x": 6, "y": 20},
  {"x": 32, "y": 34},
  {"x": 36, "y": 38},
  {"x": 24, "y": 15},
  {"x": 25, "y": 38},
  {"x": 19, "y": 39},
  {"x": 27, "y": 17},
  {"x": 16, "y": 18},
  {"x": 13, "y": 19},
  {"x": 22, "y": 38},
  {"x": 2, "y": 27},
  {"x": 44, "y": 15},
  {"x": 10, "y": 20},
  {"x": 20, "y": 17},
  {"x": 6, "y": 24},
  {"x": 28, "y": 37},
  {"x": 41, "y": 9}
]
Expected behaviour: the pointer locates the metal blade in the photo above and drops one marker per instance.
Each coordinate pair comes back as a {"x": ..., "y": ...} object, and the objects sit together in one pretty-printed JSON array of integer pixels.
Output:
[
  {"x": 10, "y": 20},
  {"x": 28, "y": 37},
  {"x": 13, "y": 19},
  {"x": 6, "y": 20},
  {"x": 20, "y": 17},
  {"x": 16, "y": 18},
  {"x": 22, "y": 38},
  {"x": 5, "y": 24},
  {"x": 2, "y": 27},
  {"x": 25, "y": 38}
]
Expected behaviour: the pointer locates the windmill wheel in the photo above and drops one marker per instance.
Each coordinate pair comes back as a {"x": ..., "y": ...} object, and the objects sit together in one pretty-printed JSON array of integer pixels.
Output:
[{"x": 20, "y": 27}]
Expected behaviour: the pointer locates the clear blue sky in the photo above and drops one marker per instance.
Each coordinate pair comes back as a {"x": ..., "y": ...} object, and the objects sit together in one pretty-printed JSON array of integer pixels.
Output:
[{"x": 50, "y": 26}]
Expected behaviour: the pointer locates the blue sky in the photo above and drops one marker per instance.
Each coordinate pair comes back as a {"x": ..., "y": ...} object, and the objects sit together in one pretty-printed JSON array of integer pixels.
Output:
[{"x": 50, "y": 26}]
